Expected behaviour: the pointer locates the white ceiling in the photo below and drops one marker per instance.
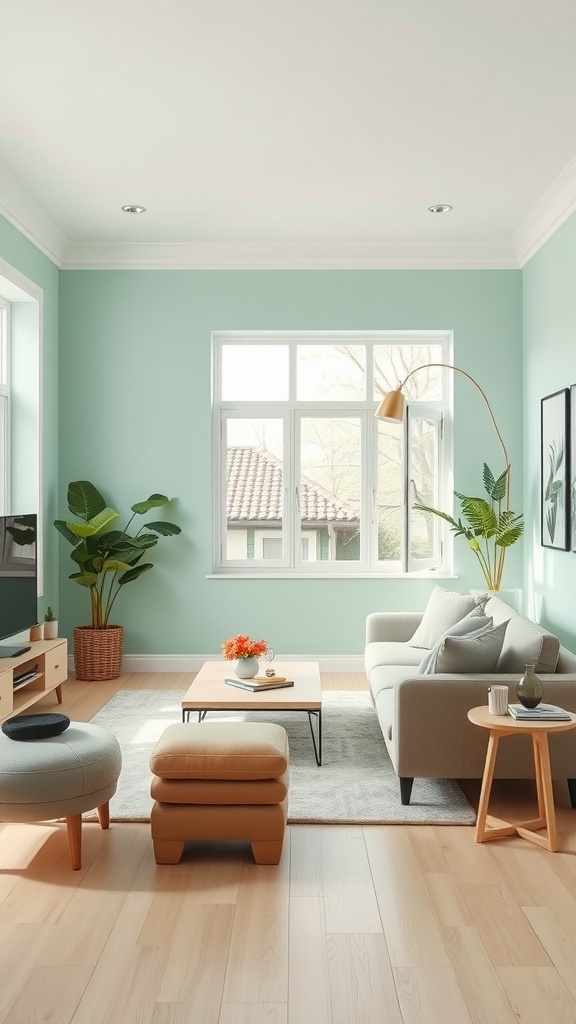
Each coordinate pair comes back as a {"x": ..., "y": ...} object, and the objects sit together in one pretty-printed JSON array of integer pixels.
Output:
[{"x": 293, "y": 133}]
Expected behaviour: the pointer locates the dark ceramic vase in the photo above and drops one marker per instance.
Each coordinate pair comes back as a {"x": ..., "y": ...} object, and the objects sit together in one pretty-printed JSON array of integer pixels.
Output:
[{"x": 529, "y": 690}]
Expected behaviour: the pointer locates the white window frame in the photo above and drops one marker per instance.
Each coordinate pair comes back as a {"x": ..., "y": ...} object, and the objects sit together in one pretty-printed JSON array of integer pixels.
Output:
[
  {"x": 291, "y": 411},
  {"x": 5, "y": 406}
]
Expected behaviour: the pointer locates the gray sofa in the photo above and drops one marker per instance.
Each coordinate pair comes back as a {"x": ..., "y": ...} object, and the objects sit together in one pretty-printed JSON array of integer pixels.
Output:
[{"x": 424, "y": 717}]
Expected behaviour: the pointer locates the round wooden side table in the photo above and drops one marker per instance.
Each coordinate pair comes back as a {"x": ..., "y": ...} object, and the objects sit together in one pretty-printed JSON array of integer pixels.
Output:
[{"x": 501, "y": 726}]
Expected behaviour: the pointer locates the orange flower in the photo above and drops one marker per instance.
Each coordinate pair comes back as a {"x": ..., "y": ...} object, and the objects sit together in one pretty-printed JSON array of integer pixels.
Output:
[{"x": 242, "y": 646}]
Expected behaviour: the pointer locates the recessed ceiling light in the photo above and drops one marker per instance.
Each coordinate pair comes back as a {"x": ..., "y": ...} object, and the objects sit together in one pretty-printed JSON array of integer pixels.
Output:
[
  {"x": 134, "y": 209},
  {"x": 440, "y": 208}
]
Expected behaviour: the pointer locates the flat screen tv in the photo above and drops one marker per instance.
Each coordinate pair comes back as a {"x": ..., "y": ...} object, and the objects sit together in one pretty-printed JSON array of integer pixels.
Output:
[{"x": 18, "y": 579}]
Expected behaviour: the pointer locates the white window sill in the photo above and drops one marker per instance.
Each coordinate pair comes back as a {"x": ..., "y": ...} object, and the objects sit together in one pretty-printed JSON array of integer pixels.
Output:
[{"x": 279, "y": 575}]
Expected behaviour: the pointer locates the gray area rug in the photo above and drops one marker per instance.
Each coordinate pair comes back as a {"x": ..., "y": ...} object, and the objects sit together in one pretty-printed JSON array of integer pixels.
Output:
[{"x": 356, "y": 783}]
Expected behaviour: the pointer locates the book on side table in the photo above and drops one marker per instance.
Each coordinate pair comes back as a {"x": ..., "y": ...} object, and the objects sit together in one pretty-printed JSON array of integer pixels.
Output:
[
  {"x": 268, "y": 683},
  {"x": 541, "y": 713}
]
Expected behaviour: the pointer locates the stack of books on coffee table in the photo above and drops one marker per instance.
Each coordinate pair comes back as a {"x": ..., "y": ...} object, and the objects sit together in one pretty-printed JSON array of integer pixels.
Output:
[
  {"x": 261, "y": 683},
  {"x": 541, "y": 713}
]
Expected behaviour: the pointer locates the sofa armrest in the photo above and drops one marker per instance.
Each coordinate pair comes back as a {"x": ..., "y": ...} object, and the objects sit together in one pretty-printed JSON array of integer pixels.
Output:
[
  {"x": 435, "y": 708},
  {"x": 396, "y": 626}
]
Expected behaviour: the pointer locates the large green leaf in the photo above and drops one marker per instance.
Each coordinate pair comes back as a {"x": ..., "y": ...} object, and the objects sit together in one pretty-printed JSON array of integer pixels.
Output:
[
  {"x": 134, "y": 573},
  {"x": 496, "y": 489},
  {"x": 97, "y": 524},
  {"x": 85, "y": 500},
  {"x": 85, "y": 579},
  {"x": 114, "y": 565},
  {"x": 163, "y": 528},
  {"x": 63, "y": 528},
  {"x": 480, "y": 515},
  {"x": 154, "y": 501}
]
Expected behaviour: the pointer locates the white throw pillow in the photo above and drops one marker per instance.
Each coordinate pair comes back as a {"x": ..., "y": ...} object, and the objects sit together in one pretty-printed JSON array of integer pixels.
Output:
[
  {"x": 469, "y": 654},
  {"x": 444, "y": 608},
  {"x": 471, "y": 625}
]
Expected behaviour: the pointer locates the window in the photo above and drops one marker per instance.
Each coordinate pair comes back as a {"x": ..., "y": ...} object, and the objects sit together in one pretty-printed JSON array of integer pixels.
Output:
[
  {"x": 307, "y": 481},
  {"x": 4, "y": 407}
]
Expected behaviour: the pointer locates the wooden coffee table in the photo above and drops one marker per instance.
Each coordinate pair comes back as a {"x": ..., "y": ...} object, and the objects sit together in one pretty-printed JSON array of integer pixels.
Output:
[{"x": 209, "y": 692}]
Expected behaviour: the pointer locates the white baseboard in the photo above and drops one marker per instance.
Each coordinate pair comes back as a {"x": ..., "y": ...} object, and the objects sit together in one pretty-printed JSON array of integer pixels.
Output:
[{"x": 194, "y": 662}]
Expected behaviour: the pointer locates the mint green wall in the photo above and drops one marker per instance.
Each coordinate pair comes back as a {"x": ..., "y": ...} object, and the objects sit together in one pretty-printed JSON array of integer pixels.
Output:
[
  {"x": 28, "y": 260},
  {"x": 135, "y": 418},
  {"x": 549, "y": 312}
]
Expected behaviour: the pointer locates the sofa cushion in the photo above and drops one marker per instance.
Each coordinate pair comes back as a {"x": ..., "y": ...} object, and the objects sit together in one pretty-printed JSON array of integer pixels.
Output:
[
  {"x": 468, "y": 654},
  {"x": 389, "y": 652},
  {"x": 387, "y": 677},
  {"x": 526, "y": 643},
  {"x": 444, "y": 608},
  {"x": 470, "y": 626}
]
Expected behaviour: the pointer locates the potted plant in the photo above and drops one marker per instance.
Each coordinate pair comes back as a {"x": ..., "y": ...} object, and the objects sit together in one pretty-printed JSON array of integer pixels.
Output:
[
  {"x": 489, "y": 528},
  {"x": 106, "y": 560},
  {"x": 50, "y": 624}
]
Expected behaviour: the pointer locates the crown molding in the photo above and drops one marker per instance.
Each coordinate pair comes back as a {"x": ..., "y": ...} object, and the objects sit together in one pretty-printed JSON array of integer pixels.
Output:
[
  {"x": 18, "y": 209},
  {"x": 289, "y": 256},
  {"x": 550, "y": 212}
]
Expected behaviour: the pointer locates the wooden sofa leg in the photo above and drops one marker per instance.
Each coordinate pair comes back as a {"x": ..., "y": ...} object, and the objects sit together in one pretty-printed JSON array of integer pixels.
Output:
[
  {"x": 572, "y": 791},
  {"x": 406, "y": 789}
]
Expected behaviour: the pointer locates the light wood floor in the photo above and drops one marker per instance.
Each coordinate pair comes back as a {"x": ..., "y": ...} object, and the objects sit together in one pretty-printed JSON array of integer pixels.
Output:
[{"x": 357, "y": 925}]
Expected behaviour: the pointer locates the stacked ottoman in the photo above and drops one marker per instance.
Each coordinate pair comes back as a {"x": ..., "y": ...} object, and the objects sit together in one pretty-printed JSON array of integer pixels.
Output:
[{"x": 220, "y": 780}]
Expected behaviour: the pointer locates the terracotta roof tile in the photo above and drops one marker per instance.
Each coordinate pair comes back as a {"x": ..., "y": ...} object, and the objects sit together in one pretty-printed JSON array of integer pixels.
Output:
[{"x": 255, "y": 492}]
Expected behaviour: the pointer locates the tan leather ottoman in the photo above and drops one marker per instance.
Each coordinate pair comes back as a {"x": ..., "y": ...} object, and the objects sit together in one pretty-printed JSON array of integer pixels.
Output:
[{"x": 220, "y": 780}]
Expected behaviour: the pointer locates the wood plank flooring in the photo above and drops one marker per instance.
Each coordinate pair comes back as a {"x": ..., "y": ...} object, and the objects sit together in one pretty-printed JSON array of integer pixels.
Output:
[{"x": 356, "y": 925}]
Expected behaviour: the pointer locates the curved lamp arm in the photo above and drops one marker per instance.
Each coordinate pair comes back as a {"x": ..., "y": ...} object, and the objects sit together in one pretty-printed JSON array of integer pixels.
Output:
[{"x": 393, "y": 405}]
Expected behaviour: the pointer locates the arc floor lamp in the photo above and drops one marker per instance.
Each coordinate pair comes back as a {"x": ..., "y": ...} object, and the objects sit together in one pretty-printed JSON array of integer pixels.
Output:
[{"x": 393, "y": 408}]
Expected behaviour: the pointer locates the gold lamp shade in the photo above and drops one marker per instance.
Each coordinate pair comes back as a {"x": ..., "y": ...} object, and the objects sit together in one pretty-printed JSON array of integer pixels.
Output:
[{"x": 391, "y": 407}]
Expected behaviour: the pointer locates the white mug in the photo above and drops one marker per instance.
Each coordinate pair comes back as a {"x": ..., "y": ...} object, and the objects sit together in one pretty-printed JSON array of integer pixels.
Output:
[{"x": 497, "y": 700}]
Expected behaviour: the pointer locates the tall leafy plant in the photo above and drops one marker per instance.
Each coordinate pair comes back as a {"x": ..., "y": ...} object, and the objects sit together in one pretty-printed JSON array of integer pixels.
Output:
[
  {"x": 107, "y": 559},
  {"x": 489, "y": 526}
]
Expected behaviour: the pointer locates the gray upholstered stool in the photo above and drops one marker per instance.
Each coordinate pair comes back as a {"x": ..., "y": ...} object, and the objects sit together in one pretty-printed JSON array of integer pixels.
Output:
[{"x": 60, "y": 777}]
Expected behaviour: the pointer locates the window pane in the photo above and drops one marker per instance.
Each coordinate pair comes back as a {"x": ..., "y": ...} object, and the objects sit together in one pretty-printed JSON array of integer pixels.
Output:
[
  {"x": 334, "y": 373},
  {"x": 255, "y": 373},
  {"x": 392, "y": 363},
  {"x": 255, "y": 489},
  {"x": 423, "y": 486},
  {"x": 390, "y": 492},
  {"x": 330, "y": 488}
]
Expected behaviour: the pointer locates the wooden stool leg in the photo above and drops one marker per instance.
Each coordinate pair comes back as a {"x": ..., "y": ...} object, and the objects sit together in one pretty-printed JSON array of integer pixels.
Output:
[
  {"x": 104, "y": 815},
  {"x": 74, "y": 829}
]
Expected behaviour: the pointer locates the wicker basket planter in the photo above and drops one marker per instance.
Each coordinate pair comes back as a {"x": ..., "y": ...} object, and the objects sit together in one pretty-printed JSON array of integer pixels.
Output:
[{"x": 98, "y": 652}]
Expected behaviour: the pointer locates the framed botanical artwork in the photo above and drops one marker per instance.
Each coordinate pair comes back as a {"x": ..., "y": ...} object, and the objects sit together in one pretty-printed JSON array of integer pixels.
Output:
[
  {"x": 555, "y": 465},
  {"x": 573, "y": 467}
]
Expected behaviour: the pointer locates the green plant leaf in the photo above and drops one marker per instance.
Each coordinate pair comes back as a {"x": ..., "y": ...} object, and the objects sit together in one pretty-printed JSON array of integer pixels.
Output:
[
  {"x": 97, "y": 524},
  {"x": 154, "y": 501},
  {"x": 495, "y": 488},
  {"x": 63, "y": 528},
  {"x": 480, "y": 515},
  {"x": 85, "y": 500},
  {"x": 134, "y": 573},
  {"x": 85, "y": 579},
  {"x": 164, "y": 528}
]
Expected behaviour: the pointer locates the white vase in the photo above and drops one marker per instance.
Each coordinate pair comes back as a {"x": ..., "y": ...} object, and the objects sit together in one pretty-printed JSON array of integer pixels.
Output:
[
  {"x": 51, "y": 629},
  {"x": 246, "y": 668}
]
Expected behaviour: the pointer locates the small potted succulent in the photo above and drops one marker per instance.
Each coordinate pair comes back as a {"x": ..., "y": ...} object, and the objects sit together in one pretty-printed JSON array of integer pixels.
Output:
[{"x": 50, "y": 624}]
